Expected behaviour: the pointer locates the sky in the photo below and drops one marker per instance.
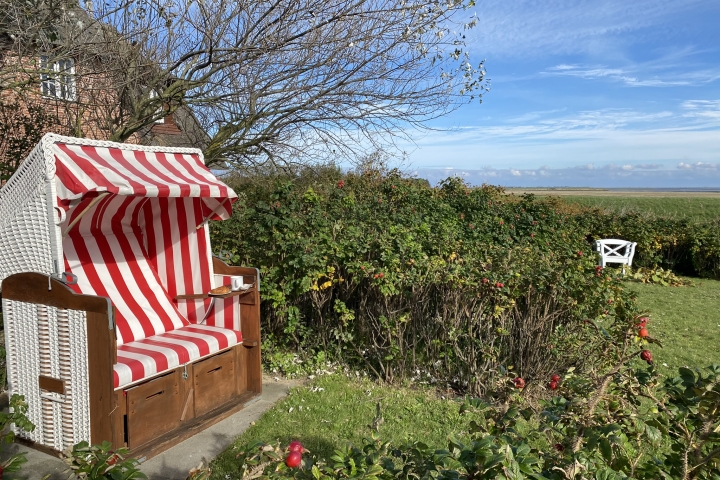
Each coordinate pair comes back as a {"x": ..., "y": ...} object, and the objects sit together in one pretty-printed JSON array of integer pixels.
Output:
[{"x": 609, "y": 93}]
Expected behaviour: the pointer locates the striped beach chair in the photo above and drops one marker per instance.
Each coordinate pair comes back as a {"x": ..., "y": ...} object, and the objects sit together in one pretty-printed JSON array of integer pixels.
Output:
[{"x": 112, "y": 330}]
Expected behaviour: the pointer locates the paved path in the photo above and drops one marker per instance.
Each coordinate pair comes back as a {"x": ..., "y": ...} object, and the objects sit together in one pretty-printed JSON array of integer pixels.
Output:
[{"x": 175, "y": 463}]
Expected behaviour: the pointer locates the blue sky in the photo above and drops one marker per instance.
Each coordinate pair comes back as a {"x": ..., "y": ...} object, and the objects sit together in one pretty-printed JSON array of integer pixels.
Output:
[{"x": 607, "y": 93}]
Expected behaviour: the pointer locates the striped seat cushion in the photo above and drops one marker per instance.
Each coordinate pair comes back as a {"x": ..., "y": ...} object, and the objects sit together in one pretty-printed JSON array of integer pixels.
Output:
[{"x": 156, "y": 354}]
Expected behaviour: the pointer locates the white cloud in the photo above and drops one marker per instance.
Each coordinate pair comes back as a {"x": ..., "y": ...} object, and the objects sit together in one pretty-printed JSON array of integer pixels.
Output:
[
  {"x": 524, "y": 27},
  {"x": 577, "y": 176},
  {"x": 656, "y": 73},
  {"x": 698, "y": 166}
]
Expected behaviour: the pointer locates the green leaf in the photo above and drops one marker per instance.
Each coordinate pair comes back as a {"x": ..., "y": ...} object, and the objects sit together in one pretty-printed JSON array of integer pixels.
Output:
[{"x": 606, "y": 449}]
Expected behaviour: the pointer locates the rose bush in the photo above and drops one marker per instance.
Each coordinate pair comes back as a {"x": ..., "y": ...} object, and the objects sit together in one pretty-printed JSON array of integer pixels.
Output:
[
  {"x": 451, "y": 284},
  {"x": 617, "y": 420}
]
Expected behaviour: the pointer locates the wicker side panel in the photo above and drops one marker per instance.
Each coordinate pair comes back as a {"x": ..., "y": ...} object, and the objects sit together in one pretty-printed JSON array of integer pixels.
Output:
[
  {"x": 25, "y": 239},
  {"x": 43, "y": 340},
  {"x": 24, "y": 231}
]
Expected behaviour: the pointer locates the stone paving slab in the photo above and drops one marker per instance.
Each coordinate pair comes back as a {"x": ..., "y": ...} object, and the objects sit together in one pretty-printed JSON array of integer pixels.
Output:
[{"x": 176, "y": 462}]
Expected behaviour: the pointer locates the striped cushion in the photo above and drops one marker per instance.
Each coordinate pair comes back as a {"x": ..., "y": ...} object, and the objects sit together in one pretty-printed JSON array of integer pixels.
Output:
[{"x": 159, "y": 353}]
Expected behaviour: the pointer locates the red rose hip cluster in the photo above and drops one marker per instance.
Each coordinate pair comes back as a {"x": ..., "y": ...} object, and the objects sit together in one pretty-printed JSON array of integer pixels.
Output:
[{"x": 294, "y": 457}]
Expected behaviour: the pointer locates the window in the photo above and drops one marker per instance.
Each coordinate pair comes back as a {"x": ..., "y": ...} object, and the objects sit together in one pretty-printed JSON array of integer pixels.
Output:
[
  {"x": 57, "y": 79},
  {"x": 154, "y": 94}
]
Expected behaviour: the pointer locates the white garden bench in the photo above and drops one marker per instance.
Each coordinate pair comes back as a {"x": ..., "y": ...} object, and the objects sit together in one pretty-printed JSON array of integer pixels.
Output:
[{"x": 613, "y": 250}]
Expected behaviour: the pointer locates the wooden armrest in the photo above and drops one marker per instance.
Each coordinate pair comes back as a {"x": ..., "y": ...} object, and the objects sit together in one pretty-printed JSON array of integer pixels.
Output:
[{"x": 222, "y": 268}]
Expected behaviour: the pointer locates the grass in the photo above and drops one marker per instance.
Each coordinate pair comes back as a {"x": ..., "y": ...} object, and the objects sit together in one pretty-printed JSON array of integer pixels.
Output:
[
  {"x": 336, "y": 410},
  {"x": 685, "y": 320},
  {"x": 699, "y": 209}
]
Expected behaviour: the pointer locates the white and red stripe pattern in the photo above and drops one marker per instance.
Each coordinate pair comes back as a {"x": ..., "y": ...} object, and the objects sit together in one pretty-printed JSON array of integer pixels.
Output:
[
  {"x": 105, "y": 251},
  {"x": 226, "y": 312},
  {"x": 81, "y": 169},
  {"x": 136, "y": 224},
  {"x": 159, "y": 353}
]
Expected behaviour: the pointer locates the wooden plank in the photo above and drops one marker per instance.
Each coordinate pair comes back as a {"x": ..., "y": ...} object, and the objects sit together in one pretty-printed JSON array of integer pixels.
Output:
[
  {"x": 32, "y": 287},
  {"x": 222, "y": 268},
  {"x": 199, "y": 296},
  {"x": 154, "y": 408},
  {"x": 192, "y": 296},
  {"x": 39, "y": 447},
  {"x": 241, "y": 375},
  {"x": 187, "y": 392},
  {"x": 188, "y": 411},
  {"x": 192, "y": 427},
  {"x": 118, "y": 419},
  {"x": 102, "y": 351},
  {"x": 214, "y": 381},
  {"x": 51, "y": 384}
]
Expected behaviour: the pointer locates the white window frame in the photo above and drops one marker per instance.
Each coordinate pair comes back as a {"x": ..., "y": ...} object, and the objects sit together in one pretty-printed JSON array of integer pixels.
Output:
[
  {"x": 57, "y": 79},
  {"x": 154, "y": 94}
]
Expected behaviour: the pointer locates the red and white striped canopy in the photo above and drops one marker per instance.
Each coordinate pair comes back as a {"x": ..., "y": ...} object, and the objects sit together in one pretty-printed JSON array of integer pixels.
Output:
[{"x": 84, "y": 169}]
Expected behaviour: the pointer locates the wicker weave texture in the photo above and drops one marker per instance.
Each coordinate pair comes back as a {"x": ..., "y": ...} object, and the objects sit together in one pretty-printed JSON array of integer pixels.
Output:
[
  {"x": 43, "y": 340},
  {"x": 24, "y": 232}
]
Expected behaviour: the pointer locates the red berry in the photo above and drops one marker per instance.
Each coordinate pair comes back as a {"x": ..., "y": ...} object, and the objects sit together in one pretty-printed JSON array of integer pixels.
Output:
[
  {"x": 293, "y": 460},
  {"x": 381, "y": 275},
  {"x": 555, "y": 378},
  {"x": 112, "y": 459},
  {"x": 579, "y": 253},
  {"x": 643, "y": 332},
  {"x": 485, "y": 280},
  {"x": 519, "y": 382},
  {"x": 295, "y": 446},
  {"x": 340, "y": 184},
  {"x": 646, "y": 355},
  {"x": 553, "y": 385}
]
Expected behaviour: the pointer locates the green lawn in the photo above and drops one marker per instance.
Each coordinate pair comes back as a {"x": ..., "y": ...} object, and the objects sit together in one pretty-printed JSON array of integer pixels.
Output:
[
  {"x": 334, "y": 410},
  {"x": 695, "y": 208},
  {"x": 686, "y": 320}
]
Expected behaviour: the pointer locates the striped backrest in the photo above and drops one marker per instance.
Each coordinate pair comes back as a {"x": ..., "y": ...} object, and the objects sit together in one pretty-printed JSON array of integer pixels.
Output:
[
  {"x": 180, "y": 252},
  {"x": 106, "y": 251}
]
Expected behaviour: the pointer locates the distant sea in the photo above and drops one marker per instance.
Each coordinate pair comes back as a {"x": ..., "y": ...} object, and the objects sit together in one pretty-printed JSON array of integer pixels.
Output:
[{"x": 593, "y": 189}]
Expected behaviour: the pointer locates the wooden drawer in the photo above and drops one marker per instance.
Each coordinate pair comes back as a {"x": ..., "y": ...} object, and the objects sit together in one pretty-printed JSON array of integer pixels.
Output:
[
  {"x": 214, "y": 382},
  {"x": 153, "y": 408}
]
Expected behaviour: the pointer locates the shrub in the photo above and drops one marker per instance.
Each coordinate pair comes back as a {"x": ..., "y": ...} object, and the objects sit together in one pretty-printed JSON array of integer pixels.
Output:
[
  {"x": 706, "y": 250},
  {"x": 453, "y": 283},
  {"x": 615, "y": 421}
]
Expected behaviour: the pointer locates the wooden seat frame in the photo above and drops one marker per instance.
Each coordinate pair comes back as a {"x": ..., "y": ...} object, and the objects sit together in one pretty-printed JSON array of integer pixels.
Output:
[{"x": 162, "y": 411}]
